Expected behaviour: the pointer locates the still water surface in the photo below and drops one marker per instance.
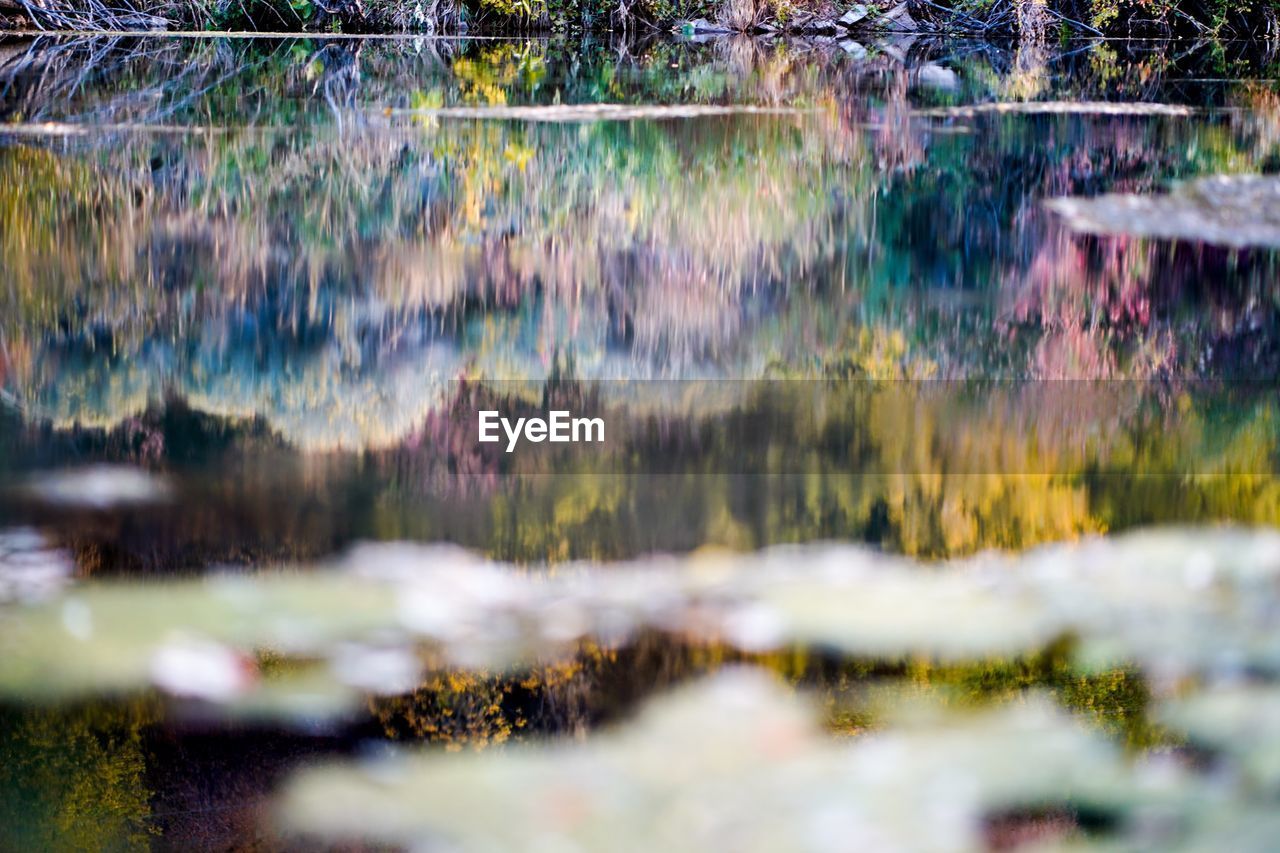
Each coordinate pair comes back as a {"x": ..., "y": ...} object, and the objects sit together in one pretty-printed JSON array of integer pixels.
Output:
[
  {"x": 263, "y": 266},
  {"x": 281, "y": 276}
]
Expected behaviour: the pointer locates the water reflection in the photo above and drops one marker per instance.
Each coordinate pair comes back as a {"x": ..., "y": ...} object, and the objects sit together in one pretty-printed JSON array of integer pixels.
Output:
[
  {"x": 293, "y": 231},
  {"x": 281, "y": 275},
  {"x": 930, "y": 468},
  {"x": 287, "y": 250}
]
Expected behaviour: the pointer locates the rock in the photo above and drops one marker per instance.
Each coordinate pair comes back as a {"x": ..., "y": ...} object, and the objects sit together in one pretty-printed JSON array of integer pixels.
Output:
[
  {"x": 1236, "y": 211},
  {"x": 31, "y": 569},
  {"x": 854, "y": 49},
  {"x": 937, "y": 77},
  {"x": 751, "y": 769},
  {"x": 382, "y": 670},
  {"x": 100, "y": 487},
  {"x": 701, "y": 26},
  {"x": 202, "y": 669},
  {"x": 818, "y": 26},
  {"x": 898, "y": 19},
  {"x": 896, "y": 48},
  {"x": 857, "y": 13}
]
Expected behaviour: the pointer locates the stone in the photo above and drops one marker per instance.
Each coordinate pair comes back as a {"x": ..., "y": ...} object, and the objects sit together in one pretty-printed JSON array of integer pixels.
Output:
[
  {"x": 936, "y": 77},
  {"x": 1236, "y": 211},
  {"x": 701, "y": 26},
  {"x": 818, "y": 26},
  {"x": 852, "y": 48},
  {"x": 898, "y": 19},
  {"x": 855, "y": 14}
]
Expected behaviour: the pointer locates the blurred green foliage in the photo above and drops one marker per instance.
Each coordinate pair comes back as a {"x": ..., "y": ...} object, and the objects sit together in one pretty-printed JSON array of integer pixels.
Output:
[{"x": 75, "y": 778}]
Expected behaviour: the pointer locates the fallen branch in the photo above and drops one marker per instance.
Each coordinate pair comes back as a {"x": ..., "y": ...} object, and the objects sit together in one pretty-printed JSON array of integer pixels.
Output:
[
  {"x": 1106, "y": 108},
  {"x": 93, "y": 15},
  {"x": 594, "y": 112},
  {"x": 1072, "y": 21}
]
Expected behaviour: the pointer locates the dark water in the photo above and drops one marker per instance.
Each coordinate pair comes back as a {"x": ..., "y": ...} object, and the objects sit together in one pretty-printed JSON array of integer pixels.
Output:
[{"x": 814, "y": 296}]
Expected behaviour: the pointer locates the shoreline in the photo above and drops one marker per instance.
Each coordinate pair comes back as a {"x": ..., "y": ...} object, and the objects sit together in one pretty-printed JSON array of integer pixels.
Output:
[
  {"x": 1023, "y": 20},
  {"x": 548, "y": 35}
]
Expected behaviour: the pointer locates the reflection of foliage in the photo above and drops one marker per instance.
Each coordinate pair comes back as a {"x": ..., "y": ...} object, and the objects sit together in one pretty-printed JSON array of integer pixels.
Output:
[
  {"x": 664, "y": 237},
  {"x": 458, "y": 709},
  {"x": 74, "y": 779},
  {"x": 49, "y": 205},
  {"x": 476, "y": 710},
  {"x": 296, "y": 278},
  {"x": 1117, "y": 700},
  {"x": 930, "y": 469},
  {"x": 473, "y": 710},
  {"x": 460, "y": 211}
]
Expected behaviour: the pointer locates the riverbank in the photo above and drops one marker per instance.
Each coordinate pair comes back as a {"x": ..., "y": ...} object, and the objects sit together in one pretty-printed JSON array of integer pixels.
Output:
[{"x": 1035, "y": 19}]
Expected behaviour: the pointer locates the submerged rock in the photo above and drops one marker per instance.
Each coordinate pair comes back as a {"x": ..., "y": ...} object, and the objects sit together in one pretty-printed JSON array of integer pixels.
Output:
[
  {"x": 1241, "y": 721},
  {"x": 1175, "y": 604},
  {"x": 936, "y": 77},
  {"x": 1083, "y": 108},
  {"x": 1239, "y": 211},
  {"x": 201, "y": 669},
  {"x": 100, "y": 487},
  {"x": 734, "y": 763},
  {"x": 854, "y": 49},
  {"x": 30, "y": 570}
]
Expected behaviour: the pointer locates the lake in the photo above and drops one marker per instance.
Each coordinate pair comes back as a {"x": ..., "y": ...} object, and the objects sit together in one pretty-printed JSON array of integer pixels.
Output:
[{"x": 938, "y": 388}]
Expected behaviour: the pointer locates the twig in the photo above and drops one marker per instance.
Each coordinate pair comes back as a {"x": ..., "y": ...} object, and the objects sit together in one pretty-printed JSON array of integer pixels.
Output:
[
  {"x": 1072, "y": 21},
  {"x": 955, "y": 13}
]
